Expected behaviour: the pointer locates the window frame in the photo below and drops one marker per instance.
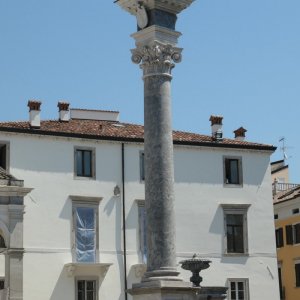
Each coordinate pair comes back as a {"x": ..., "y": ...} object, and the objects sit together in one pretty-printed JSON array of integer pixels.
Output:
[
  {"x": 142, "y": 237},
  {"x": 93, "y": 162},
  {"x": 245, "y": 282},
  {"x": 87, "y": 278},
  {"x": 240, "y": 171},
  {"x": 90, "y": 202},
  {"x": 236, "y": 209}
]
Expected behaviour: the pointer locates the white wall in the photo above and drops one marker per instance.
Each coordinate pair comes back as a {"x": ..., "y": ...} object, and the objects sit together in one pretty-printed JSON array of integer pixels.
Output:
[{"x": 47, "y": 165}]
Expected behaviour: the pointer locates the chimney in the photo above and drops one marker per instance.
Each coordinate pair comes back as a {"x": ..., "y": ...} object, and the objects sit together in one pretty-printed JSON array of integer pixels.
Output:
[
  {"x": 34, "y": 113},
  {"x": 216, "y": 127},
  {"x": 239, "y": 134},
  {"x": 64, "y": 112}
]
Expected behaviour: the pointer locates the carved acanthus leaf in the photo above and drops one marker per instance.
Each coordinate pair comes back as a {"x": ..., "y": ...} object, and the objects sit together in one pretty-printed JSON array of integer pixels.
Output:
[{"x": 156, "y": 59}]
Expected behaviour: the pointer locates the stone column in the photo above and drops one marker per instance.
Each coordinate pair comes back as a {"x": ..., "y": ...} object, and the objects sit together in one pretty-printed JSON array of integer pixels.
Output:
[
  {"x": 156, "y": 62},
  {"x": 14, "y": 255}
]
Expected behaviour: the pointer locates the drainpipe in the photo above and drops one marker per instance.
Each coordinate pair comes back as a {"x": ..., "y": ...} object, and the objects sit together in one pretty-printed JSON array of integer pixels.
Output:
[{"x": 124, "y": 223}]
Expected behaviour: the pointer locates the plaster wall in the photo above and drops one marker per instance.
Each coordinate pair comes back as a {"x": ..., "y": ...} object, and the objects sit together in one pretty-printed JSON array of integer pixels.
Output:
[
  {"x": 288, "y": 255},
  {"x": 47, "y": 165}
]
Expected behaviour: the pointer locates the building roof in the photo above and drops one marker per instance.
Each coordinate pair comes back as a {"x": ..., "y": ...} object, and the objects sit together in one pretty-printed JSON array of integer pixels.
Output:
[
  {"x": 287, "y": 195},
  {"x": 117, "y": 131}
]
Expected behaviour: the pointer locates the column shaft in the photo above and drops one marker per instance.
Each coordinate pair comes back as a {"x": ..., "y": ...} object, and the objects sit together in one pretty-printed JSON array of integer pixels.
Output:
[{"x": 159, "y": 174}]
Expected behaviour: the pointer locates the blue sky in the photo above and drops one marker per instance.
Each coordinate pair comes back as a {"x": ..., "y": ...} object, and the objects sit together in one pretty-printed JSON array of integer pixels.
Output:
[{"x": 241, "y": 59}]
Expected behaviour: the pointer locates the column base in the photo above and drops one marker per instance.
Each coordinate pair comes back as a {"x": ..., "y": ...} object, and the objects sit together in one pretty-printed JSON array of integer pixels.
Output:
[
  {"x": 163, "y": 274},
  {"x": 176, "y": 290},
  {"x": 163, "y": 290}
]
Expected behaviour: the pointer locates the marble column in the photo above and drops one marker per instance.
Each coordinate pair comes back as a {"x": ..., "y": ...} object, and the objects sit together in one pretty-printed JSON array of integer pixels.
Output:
[{"x": 157, "y": 61}]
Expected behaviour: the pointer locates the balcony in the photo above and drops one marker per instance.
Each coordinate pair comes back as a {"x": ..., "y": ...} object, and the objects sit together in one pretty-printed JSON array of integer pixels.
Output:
[{"x": 278, "y": 187}]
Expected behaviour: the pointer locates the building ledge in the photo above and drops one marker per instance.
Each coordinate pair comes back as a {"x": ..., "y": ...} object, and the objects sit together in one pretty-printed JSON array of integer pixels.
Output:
[{"x": 90, "y": 269}]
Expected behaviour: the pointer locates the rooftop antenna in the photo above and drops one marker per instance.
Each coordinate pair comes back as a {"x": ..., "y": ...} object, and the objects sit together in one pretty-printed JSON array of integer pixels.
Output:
[{"x": 283, "y": 148}]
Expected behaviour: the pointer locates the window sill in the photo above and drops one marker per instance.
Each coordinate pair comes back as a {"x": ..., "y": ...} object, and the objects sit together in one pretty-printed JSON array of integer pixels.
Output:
[
  {"x": 232, "y": 185},
  {"x": 84, "y": 178},
  {"x": 91, "y": 269},
  {"x": 236, "y": 254}
]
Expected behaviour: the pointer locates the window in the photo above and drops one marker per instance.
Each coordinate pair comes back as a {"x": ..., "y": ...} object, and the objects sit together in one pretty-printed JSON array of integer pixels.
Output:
[
  {"x": 85, "y": 229},
  {"x": 233, "y": 170},
  {"x": 2, "y": 242},
  {"x": 84, "y": 162},
  {"x": 281, "y": 289},
  {"x": 2, "y": 283},
  {"x": 295, "y": 211},
  {"x": 238, "y": 289},
  {"x": 276, "y": 216},
  {"x": 279, "y": 237},
  {"x": 292, "y": 234},
  {"x": 4, "y": 155},
  {"x": 235, "y": 223},
  {"x": 86, "y": 289},
  {"x": 142, "y": 230},
  {"x": 142, "y": 166},
  {"x": 297, "y": 273}
]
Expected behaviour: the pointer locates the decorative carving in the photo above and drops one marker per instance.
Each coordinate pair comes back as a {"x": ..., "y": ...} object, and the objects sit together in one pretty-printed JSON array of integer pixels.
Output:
[{"x": 156, "y": 59}]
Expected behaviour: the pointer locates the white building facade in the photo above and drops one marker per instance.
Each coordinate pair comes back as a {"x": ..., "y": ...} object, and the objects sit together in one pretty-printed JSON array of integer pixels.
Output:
[{"x": 84, "y": 218}]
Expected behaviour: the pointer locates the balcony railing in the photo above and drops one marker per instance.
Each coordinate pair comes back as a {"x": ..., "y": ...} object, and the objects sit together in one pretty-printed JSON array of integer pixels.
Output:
[{"x": 282, "y": 187}]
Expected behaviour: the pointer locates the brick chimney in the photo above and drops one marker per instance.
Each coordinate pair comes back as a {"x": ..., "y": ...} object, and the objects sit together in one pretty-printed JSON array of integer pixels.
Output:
[
  {"x": 239, "y": 134},
  {"x": 64, "y": 112},
  {"x": 216, "y": 127},
  {"x": 34, "y": 113}
]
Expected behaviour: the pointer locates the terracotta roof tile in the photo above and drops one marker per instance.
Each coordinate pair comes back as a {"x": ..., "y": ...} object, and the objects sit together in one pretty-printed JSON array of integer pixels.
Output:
[
  {"x": 287, "y": 195},
  {"x": 114, "y": 130}
]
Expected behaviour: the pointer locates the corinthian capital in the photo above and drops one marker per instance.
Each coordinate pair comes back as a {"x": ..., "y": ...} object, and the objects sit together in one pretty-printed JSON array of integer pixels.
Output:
[{"x": 157, "y": 59}]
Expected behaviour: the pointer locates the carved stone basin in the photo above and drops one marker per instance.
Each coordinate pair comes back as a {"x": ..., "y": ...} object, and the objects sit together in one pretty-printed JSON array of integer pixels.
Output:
[{"x": 195, "y": 265}]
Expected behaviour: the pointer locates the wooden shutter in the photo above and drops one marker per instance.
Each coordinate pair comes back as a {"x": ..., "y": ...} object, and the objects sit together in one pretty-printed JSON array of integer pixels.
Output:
[
  {"x": 289, "y": 234},
  {"x": 279, "y": 237}
]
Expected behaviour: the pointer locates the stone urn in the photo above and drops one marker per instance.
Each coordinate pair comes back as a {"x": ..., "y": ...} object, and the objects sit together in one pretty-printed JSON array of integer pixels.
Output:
[{"x": 195, "y": 265}]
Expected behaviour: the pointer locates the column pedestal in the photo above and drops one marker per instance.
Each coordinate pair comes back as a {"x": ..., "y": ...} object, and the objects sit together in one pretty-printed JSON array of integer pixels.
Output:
[{"x": 163, "y": 290}]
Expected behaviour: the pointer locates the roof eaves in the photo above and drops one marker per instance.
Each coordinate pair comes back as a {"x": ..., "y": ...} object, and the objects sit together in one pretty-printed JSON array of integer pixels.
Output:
[{"x": 137, "y": 139}]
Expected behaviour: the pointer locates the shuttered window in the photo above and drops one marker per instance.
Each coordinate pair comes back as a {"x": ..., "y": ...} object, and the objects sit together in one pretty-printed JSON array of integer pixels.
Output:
[
  {"x": 279, "y": 237},
  {"x": 289, "y": 234}
]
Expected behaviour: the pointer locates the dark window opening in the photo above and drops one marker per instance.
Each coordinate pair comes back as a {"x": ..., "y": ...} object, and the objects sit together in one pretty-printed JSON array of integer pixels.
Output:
[
  {"x": 280, "y": 284},
  {"x": 235, "y": 233},
  {"x": 297, "y": 274},
  {"x": 289, "y": 234},
  {"x": 142, "y": 166},
  {"x": 237, "y": 290},
  {"x": 279, "y": 237},
  {"x": 86, "y": 290},
  {"x": 2, "y": 242},
  {"x": 3, "y": 163},
  {"x": 292, "y": 234},
  {"x": 295, "y": 211},
  {"x": 232, "y": 171},
  {"x": 83, "y": 163},
  {"x": 276, "y": 216}
]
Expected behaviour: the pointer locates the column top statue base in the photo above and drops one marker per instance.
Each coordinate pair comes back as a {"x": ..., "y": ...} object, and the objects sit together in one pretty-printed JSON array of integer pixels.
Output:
[
  {"x": 172, "y": 6},
  {"x": 155, "y": 33}
]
